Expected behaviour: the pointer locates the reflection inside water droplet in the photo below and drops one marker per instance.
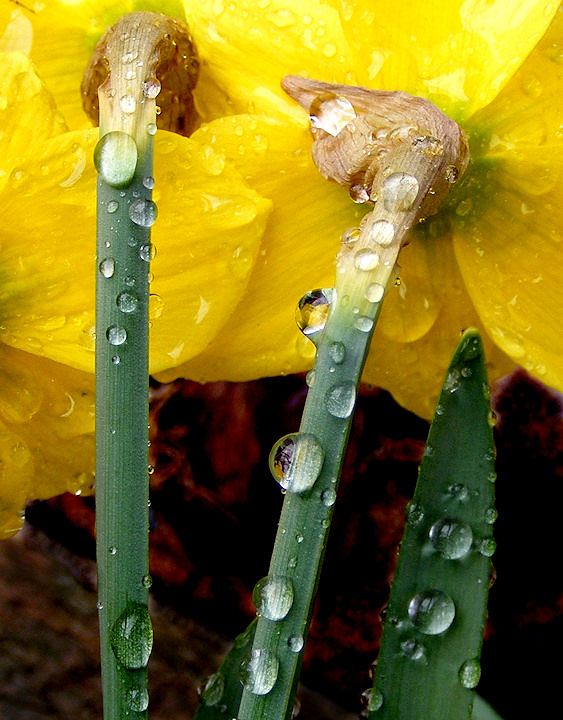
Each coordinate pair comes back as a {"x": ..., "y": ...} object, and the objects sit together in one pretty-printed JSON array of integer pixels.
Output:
[
  {"x": 312, "y": 311},
  {"x": 273, "y": 597},
  {"x": 451, "y": 538},
  {"x": 296, "y": 461},
  {"x": 259, "y": 671},
  {"x": 331, "y": 113},
  {"x": 431, "y": 612},
  {"x": 115, "y": 158}
]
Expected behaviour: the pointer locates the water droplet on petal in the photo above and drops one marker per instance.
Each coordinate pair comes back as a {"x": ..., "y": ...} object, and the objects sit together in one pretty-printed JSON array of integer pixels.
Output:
[
  {"x": 131, "y": 637},
  {"x": 115, "y": 158},
  {"x": 312, "y": 311},
  {"x": 431, "y": 611},
  {"x": 116, "y": 335},
  {"x": 296, "y": 461},
  {"x": 127, "y": 302},
  {"x": 341, "y": 399},
  {"x": 273, "y": 597},
  {"x": 259, "y": 671},
  {"x": 295, "y": 643},
  {"x": 451, "y": 538},
  {"x": 331, "y": 113},
  {"x": 107, "y": 267},
  {"x": 143, "y": 212},
  {"x": 399, "y": 192},
  {"x": 470, "y": 673}
]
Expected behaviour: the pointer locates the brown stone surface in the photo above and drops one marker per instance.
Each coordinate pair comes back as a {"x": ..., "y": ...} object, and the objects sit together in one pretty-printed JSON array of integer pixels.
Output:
[{"x": 214, "y": 515}]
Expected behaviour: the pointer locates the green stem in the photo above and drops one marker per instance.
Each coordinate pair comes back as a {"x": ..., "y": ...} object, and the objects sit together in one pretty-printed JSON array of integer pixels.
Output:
[{"x": 122, "y": 485}]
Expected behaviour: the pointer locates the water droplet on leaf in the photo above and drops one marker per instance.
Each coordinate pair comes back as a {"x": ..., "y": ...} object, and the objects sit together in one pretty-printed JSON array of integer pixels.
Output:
[
  {"x": 127, "y": 302},
  {"x": 116, "y": 335},
  {"x": 273, "y": 597},
  {"x": 115, "y": 158},
  {"x": 131, "y": 637},
  {"x": 143, "y": 212},
  {"x": 259, "y": 671},
  {"x": 431, "y": 611},
  {"x": 399, "y": 192},
  {"x": 107, "y": 267},
  {"x": 295, "y": 643},
  {"x": 341, "y": 399},
  {"x": 451, "y": 538},
  {"x": 312, "y": 311},
  {"x": 296, "y": 461},
  {"x": 331, "y": 113},
  {"x": 470, "y": 673}
]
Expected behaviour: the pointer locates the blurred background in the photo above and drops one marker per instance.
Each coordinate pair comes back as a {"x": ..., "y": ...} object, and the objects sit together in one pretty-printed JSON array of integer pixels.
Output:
[{"x": 214, "y": 513}]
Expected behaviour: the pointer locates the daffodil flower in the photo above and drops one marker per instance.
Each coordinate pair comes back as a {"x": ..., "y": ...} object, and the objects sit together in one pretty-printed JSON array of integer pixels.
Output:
[
  {"x": 47, "y": 261},
  {"x": 490, "y": 258}
]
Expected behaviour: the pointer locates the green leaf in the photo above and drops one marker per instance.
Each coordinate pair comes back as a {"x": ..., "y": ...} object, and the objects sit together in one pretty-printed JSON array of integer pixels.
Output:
[
  {"x": 429, "y": 658},
  {"x": 221, "y": 695}
]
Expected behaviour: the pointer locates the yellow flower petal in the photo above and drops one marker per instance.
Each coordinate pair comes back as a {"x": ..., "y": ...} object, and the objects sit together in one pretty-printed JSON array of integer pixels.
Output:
[
  {"x": 65, "y": 33},
  {"x": 208, "y": 235},
  {"x": 299, "y": 246},
  {"x": 457, "y": 53},
  {"x": 247, "y": 46},
  {"x": 511, "y": 258},
  {"x": 26, "y": 110},
  {"x": 46, "y": 432}
]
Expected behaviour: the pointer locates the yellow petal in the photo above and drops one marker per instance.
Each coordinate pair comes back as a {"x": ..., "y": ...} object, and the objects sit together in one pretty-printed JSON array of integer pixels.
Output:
[
  {"x": 26, "y": 110},
  {"x": 247, "y": 46},
  {"x": 511, "y": 257},
  {"x": 458, "y": 53},
  {"x": 299, "y": 247},
  {"x": 207, "y": 235},
  {"x": 65, "y": 33},
  {"x": 46, "y": 432}
]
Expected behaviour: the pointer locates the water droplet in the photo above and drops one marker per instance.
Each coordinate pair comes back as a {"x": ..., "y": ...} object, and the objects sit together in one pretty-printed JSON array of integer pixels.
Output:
[
  {"x": 148, "y": 182},
  {"x": 374, "y": 292},
  {"x": 412, "y": 649},
  {"x": 458, "y": 492},
  {"x": 366, "y": 259},
  {"x": 337, "y": 352},
  {"x": 151, "y": 88},
  {"x": 310, "y": 378},
  {"x": 452, "y": 381},
  {"x": 382, "y": 232},
  {"x": 488, "y": 547},
  {"x": 296, "y": 461},
  {"x": 259, "y": 671},
  {"x": 129, "y": 281},
  {"x": 363, "y": 323},
  {"x": 128, "y": 104},
  {"x": 429, "y": 145},
  {"x": 112, "y": 550},
  {"x": 431, "y": 611},
  {"x": 116, "y": 359},
  {"x": 414, "y": 513},
  {"x": 127, "y": 302},
  {"x": 295, "y": 643},
  {"x": 399, "y": 192},
  {"x": 213, "y": 689},
  {"x": 131, "y": 637},
  {"x": 115, "y": 158},
  {"x": 273, "y": 597},
  {"x": 116, "y": 335},
  {"x": 107, "y": 267},
  {"x": 331, "y": 113},
  {"x": 341, "y": 399},
  {"x": 151, "y": 129},
  {"x": 312, "y": 311},
  {"x": 350, "y": 236},
  {"x": 359, "y": 193},
  {"x": 137, "y": 698},
  {"x": 470, "y": 673},
  {"x": 143, "y": 212},
  {"x": 156, "y": 306},
  {"x": 328, "y": 497},
  {"x": 150, "y": 469},
  {"x": 147, "y": 252},
  {"x": 491, "y": 515},
  {"x": 146, "y": 581},
  {"x": 451, "y": 538},
  {"x": 452, "y": 174},
  {"x": 113, "y": 206}
]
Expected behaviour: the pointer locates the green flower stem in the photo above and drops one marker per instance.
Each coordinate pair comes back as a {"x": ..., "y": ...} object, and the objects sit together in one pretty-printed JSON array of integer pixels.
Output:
[
  {"x": 366, "y": 266},
  {"x": 428, "y": 664}
]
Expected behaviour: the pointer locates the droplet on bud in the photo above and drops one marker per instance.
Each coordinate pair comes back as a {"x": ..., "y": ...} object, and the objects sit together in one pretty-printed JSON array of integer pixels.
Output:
[{"x": 331, "y": 113}]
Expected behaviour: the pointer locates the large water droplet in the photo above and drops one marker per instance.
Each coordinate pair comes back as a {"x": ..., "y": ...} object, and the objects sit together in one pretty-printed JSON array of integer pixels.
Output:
[
  {"x": 259, "y": 671},
  {"x": 363, "y": 323},
  {"x": 131, "y": 637},
  {"x": 107, "y": 267},
  {"x": 431, "y": 612},
  {"x": 366, "y": 259},
  {"x": 296, "y": 461},
  {"x": 312, "y": 311},
  {"x": 147, "y": 252},
  {"x": 382, "y": 232},
  {"x": 213, "y": 689},
  {"x": 273, "y": 597},
  {"x": 116, "y": 335},
  {"x": 151, "y": 88},
  {"x": 128, "y": 104},
  {"x": 331, "y": 113},
  {"x": 137, "y": 698},
  {"x": 452, "y": 538},
  {"x": 127, "y": 302},
  {"x": 115, "y": 158},
  {"x": 470, "y": 673},
  {"x": 143, "y": 212},
  {"x": 399, "y": 192},
  {"x": 340, "y": 400},
  {"x": 374, "y": 292}
]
